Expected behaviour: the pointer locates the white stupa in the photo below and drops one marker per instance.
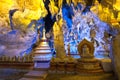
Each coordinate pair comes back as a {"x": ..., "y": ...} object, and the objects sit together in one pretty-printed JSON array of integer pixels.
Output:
[{"x": 43, "y": 51}]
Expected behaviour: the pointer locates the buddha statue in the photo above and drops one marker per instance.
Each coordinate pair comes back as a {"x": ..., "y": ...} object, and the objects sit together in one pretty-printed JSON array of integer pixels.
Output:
[
  {"x": 86, "y": 51},
  {"x": 68, "y": 49},
  {"x": 87, "y": 62}
]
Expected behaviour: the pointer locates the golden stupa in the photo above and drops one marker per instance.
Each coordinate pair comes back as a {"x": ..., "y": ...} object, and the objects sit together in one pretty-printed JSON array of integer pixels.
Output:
[{"x": 43, "y": 51}]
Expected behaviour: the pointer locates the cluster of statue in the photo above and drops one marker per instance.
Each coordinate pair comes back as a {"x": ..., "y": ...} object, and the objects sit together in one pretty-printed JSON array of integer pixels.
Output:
[
  {"x": 25, "y": 58},
  {"x": 87, "y": 62},
  {"x": 64, "y": 59}
]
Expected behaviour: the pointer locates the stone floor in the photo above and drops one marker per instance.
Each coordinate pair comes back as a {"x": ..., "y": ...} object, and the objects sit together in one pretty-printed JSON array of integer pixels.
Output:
[
  {"x": 103, "y": 76},
  {"x": 40, "y": 73},
  {"x": 11, "y": 74},
  {"x": 35, "y": 75}
]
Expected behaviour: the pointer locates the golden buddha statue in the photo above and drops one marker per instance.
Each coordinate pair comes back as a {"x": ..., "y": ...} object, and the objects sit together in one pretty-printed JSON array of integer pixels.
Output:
[
  {"x": 87, "y": 62},
  {"x": 86, "y": 52}
]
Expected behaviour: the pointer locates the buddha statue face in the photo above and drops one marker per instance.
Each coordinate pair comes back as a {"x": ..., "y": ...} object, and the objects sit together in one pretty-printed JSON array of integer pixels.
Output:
[{"x": 85, "y": 46}]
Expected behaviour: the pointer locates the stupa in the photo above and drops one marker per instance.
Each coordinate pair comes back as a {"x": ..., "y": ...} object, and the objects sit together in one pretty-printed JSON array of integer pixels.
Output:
[{"x": 43, "y": 51}]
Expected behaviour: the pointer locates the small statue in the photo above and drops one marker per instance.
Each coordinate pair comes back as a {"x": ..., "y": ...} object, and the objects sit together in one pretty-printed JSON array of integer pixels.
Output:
[
  {"x": 23, "y": 59},
  {"x": 14, "y": 58},
  {"x": 29, "y": 58},
  {"x": 68, "y": 49},
  {"x": 86, "y": 51},
  {"x": 19, "y": 59}
]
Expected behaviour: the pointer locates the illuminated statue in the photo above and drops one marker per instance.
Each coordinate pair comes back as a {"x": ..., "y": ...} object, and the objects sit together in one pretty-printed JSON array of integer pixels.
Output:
[
  {"x": 115, "y": 56},
  {"x": 85, "y": 51},
  {"x": 88, "y": 61},
  {"x": 18, "y": 58},
  {"x": 58, "y": 37}
]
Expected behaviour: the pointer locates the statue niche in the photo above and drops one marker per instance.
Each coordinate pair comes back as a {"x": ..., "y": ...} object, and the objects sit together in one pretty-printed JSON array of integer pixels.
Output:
[{"x": 86, "y": 49}]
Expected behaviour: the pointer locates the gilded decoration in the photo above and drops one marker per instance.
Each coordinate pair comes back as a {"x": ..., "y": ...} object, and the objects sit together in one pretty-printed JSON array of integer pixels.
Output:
[{"x": 88, "y": 44}]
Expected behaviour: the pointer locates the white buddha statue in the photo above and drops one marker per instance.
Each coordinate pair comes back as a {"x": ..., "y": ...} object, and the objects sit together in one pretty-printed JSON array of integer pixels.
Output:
[{"x": 86, "y": 51}]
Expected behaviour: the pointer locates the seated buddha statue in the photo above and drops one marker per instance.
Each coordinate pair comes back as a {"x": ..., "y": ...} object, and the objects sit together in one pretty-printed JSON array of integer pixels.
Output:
[{"x": 86, "y": 51}]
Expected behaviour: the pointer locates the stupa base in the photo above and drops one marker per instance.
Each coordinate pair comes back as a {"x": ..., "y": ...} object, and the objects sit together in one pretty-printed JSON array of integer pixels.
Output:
[{"x": 42, "y": 57}]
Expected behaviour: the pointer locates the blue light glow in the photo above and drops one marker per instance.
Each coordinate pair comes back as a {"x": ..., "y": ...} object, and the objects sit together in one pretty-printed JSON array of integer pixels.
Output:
[
  {"x": 67, "y": 15},
  {"x": 85, "y": 24},
  {"x": 18, "y": 43}
]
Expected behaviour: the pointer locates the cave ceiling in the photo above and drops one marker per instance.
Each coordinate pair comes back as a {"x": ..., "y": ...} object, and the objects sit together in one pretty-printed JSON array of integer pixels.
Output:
[{"x": 35, "y": 9}]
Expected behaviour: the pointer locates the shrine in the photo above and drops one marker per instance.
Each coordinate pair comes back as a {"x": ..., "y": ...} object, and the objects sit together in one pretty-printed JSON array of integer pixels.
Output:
[{"x": 87, "y": 62}]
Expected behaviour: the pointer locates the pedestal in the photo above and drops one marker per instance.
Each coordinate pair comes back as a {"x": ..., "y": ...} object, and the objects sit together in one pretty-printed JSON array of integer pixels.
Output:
[{"x": 90, "y": 65}]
